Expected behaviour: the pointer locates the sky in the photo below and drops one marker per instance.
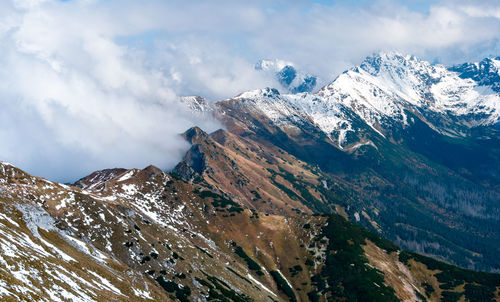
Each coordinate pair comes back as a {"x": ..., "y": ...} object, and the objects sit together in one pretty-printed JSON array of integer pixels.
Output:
[{"x": 94, "y": 84}]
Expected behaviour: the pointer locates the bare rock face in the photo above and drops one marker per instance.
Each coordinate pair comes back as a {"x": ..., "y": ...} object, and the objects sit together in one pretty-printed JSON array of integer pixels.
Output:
[{"x": 194, "y": 162}]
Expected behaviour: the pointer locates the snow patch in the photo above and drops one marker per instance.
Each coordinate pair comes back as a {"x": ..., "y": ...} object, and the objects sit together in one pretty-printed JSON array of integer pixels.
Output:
[
  {"x": 36, "y": 217},
  {"x": 261, "y": 285},
  {"x": 126, "y": 176}
]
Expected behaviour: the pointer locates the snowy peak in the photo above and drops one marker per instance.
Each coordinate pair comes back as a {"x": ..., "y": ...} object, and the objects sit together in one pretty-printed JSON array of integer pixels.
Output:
[
  {"x": 196, "y": 104},
  {"x": 385, "y": 86},
  {"x": 402, "y": 75},
  {"x": 386, "y": 93},
  {"x": 391, "y": 62},
  {"x": 268, "y": 93},
  {"x": 288, "y": 76},
  {"x": 272, "y": 104},
  {"x": 98, "y": 181},
  {"x": 9, "y": 173},
  {"x": 485, "y": 73}
]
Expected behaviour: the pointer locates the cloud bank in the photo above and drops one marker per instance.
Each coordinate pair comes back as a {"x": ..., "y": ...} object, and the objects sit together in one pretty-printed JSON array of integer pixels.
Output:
[{"x": 92, "y": 84}]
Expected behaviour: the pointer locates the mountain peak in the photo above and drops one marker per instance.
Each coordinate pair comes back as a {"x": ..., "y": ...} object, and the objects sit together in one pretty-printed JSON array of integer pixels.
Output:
[
  {"x": 290, "y": 78},
  {"x": 387, "y": 61},
  {"x": 386, "y": 91},
  {"x": 259, "y": 93},
  {"x": 194, "y": 134},
  {"x": 96, "y": 179},
  {"x": 485, "y": 72},
  {"x": 196, "y": 104},
  {"x": 10, "y": 173}
]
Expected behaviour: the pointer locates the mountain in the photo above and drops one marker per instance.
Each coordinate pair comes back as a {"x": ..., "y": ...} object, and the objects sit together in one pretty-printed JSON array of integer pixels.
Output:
[
  {"x": 387, "y": 89},
  {"x": 290, "y": 79},
  {"x": 407, "y": 148},
  {"x": 145, "y": 235},
  {"x": 387, "y": 86},
  {"x": 485, "y": 73},
  {"x": 291, "y": 201},
  {"x": 196, "y": 104}
]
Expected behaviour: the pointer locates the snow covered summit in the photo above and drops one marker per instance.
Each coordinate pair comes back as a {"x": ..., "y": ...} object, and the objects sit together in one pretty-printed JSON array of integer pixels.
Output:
[
  {"x": 291, "y": 79},
  {"x": 386, "y": 91}
]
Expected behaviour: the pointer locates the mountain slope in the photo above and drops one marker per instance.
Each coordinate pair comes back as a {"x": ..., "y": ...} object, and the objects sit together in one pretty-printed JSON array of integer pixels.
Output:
[
  {"x": 43, "y": 260},
  {"x": 413, "y": 146},
  {"x": 257, "y": 212},
  {"x": 414, "y": 201},
  {"x": 150, "y": 236}
]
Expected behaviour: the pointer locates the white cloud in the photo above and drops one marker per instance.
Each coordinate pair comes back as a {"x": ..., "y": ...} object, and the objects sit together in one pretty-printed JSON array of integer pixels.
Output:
[
  {"x": 73, "y": 100},
  {"x": 481, "y": 12},
  {"x": 88, "y": 84}
]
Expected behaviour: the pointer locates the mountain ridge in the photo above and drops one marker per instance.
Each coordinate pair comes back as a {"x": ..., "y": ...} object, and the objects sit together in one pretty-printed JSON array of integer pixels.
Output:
[
  {"x": 198, "y": 248},
  {"x": 291, "y": 201},
  {"x": 436, "y": 163},
  {"x": 396, "y": 84}
]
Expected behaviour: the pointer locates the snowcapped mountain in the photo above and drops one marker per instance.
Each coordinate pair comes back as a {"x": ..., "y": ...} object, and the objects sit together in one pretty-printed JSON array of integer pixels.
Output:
[
  {"x": 196, "y": 104},
  {"x": 288, "y": 76},
  {"x": 294, "y": 111},
  {"x": 388, "y": 91},
  {"x": 386, "y": 127},
  {"x": 392, "y": 144},
  {"x": 385, "y": 87},
  {"x": 386, "y": 95},
  {"x": 485, "y": 73},
  {"x": 270, "y": 102}
]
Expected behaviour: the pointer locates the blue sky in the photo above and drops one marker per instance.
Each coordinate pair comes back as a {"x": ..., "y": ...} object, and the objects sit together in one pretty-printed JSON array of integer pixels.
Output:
[
  {"x": 92, "y": 84},
  {"x": 419, "y": 5}
]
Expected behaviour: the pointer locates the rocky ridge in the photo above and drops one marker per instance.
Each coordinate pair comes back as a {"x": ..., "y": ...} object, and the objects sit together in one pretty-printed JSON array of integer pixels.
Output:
[{"x": 148, "y": 236}]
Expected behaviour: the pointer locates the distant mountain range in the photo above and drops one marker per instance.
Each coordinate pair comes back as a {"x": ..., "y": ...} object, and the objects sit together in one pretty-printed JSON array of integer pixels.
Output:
[{"x": 291, "y": 201}]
